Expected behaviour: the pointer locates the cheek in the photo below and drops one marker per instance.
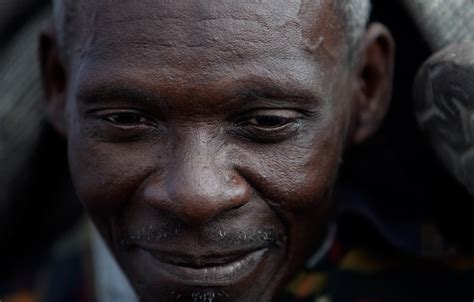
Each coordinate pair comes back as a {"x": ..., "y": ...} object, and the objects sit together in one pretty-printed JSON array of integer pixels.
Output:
[
  {"x": 296, "y": 181},
  {"x": 298, "y": 175},
  {"x": 305, "y": 176},
  {"x": 107, "y": 175}
]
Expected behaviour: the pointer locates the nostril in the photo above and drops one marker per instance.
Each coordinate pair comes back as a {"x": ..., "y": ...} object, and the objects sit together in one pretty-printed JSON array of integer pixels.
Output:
[
  {"x": 199, "y": 209},
  {"x": 240, "y": 196}
]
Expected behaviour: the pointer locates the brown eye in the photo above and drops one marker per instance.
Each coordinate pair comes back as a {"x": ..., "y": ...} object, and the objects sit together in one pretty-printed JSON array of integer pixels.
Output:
[
  {"x": 122, "y": 125},
  {"x": 268, "y": 121},
  {"x": 269, "y": 125},
  {"x": 126, "y": 118}
]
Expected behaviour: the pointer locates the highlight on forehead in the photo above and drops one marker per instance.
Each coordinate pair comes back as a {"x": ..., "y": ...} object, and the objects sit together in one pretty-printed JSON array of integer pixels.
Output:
[{"x": 354, "y": 15}]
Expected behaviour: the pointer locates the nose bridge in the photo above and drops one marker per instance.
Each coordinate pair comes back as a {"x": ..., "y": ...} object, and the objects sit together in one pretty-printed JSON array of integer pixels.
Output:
[
  {"x": 200, "y": 183},
  {"x": 200, "y": 172}
]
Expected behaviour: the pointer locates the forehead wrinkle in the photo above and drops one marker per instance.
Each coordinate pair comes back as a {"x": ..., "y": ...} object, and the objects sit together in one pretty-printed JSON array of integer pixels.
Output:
[
  {"x": 165, "y": 70},
  {"x": 222, "y": 43},
  {"x": 257, "y": 10},
  {"x": 285, "y": 17},
  {"x": 203, "y": 19},
  {"x": 178, "y": 33},
  {"x": 268, "y": 13}
]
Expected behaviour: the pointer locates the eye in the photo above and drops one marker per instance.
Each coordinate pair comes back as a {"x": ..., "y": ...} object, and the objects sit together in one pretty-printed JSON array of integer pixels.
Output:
[
  {"x": 126, "y": 118},
  {"x": 269, "y": 125},
  {"x": 269, "y": 121}
]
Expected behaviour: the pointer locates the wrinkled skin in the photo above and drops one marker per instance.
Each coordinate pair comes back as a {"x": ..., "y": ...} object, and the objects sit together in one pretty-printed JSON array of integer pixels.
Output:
[{"x": 202, "y": 133}]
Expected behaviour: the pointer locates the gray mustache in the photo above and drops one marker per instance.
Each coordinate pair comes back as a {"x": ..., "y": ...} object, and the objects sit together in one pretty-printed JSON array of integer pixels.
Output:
[{"x": 219, "y": 237}]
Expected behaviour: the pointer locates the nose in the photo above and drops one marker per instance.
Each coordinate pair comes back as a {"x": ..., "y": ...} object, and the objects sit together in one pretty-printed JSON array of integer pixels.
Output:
[{"x": 197, "y": 186}]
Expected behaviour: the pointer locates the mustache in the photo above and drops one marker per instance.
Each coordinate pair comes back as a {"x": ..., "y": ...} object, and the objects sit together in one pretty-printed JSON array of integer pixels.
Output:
[{"x": 265, "y": 236}]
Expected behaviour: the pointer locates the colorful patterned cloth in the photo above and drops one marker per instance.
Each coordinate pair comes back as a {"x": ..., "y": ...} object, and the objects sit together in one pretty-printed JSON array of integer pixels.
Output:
[{"x": 352, "y": 274}]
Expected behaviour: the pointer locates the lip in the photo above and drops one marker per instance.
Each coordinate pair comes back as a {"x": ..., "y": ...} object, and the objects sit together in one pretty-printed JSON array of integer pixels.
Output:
[{"x": 206, "y": 271}]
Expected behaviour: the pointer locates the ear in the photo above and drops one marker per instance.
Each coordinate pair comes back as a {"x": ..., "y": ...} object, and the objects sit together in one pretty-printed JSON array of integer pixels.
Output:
[
  {"x": 53, "y": 74},
  {"x": 372, "y": 82}
]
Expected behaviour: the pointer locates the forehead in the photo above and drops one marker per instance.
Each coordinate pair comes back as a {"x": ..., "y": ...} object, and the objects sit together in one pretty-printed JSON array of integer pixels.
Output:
[{"x": 207, "y": 39}]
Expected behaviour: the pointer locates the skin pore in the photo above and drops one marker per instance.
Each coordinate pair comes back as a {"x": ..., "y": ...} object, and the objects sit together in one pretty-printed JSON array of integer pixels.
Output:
[{"x": 204, "y": 137}]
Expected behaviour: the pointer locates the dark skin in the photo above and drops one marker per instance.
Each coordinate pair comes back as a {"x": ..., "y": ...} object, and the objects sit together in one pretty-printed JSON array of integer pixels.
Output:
[{"x": 204, "y": 138}]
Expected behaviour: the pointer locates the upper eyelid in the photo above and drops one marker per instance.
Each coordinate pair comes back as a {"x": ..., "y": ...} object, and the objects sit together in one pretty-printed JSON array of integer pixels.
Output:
[
  {"x": 266, "y": 135},
  {"x": 104, "y": 116},
  {"x": 108, "y": 112},
  {"x": 252, "y": 113},
  {"x": 290, "y": 119},
  {"x": 119, "y": 113},
  {"x": 259, "y": 112},
  {"x": 255, "y": 112}
]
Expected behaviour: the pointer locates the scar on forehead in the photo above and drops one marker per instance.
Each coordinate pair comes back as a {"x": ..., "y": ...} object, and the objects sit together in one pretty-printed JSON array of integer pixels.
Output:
[{"x": 318, "y": 19}]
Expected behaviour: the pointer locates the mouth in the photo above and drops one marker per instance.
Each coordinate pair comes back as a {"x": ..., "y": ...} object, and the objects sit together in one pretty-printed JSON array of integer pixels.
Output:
[{"x": 206, "y": 271}]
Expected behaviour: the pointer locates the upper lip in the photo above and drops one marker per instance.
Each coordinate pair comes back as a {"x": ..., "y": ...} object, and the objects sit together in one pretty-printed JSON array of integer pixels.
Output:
[{"x": 199, "y": 260}]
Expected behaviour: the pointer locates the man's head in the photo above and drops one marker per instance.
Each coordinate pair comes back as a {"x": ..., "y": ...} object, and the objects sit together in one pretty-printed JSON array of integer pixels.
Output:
[{"x": 205, "y": 136}]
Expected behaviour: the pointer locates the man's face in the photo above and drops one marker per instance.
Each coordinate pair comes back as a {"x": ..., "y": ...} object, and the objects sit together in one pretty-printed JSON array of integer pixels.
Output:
[{"x": 204, "y": 138}]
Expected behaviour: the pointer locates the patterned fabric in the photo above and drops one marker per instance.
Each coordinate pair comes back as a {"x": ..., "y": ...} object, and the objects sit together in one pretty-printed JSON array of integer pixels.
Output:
[
  {"x": 443, "y": 22},
  {"x": 407, "y": 231},
  {"x": 353, "y": 274}
]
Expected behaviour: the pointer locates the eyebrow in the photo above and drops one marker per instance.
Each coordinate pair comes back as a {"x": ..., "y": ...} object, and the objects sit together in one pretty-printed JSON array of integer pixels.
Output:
[
  {"x": 100, "y": 93},
  {"x": 258, "y": 96},
  {"x": 275, "y": 92},
  {"x": 242, "y": 95}
]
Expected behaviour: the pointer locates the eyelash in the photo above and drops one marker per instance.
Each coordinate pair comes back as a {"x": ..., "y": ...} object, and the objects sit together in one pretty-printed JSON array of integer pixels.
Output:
[
  {"x": 263, "y": 126},
  {"x": 283, "y": 126},
  {"x": 136, "y": 118},
  {"x": 121, "y": 125},
  {"x": 115, "y": 117},
  {"x": 271, "y": 121}
]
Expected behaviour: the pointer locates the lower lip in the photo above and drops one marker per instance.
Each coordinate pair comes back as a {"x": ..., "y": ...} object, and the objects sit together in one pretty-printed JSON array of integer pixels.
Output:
[{"x": 214, "y": 276}]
